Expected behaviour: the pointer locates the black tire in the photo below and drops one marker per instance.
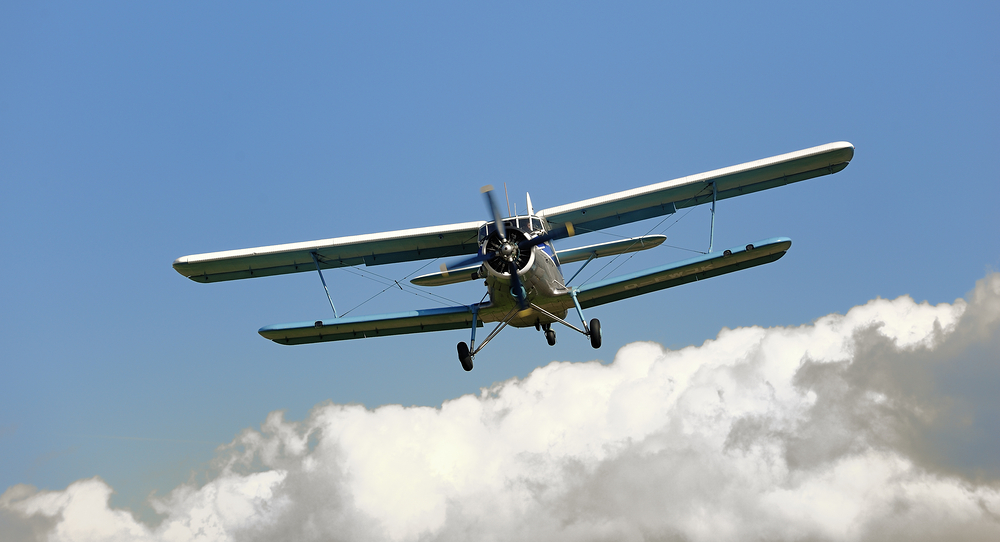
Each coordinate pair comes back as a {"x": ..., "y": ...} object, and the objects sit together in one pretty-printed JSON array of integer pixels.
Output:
[
  {"x": 595, "y": 333},
  {"x": 727, "y": 252},
  {"x": 749, "y": 248},
  {"x": 550, "y": 336},
  {"x": 464, "y": 356}
]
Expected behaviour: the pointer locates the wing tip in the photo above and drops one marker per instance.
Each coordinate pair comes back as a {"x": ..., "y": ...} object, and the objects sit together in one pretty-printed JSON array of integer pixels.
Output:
[
  {"x": 845, "y": 146},
  {"x": 181, "y": 266}
]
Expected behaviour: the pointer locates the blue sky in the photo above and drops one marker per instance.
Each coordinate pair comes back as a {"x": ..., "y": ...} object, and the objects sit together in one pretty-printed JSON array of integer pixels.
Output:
[{"x": 132, "y": 134}]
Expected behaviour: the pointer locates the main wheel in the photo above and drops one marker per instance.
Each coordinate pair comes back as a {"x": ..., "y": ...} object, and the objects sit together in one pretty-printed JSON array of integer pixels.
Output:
[
  {"x": 595, "y": 333},
  {"x": 550, "y": 336},
  {"x": 464, "y": 356}
]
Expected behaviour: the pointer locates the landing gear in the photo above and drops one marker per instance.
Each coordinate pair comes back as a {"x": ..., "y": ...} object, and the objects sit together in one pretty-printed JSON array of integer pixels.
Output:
[
  {"x": 466, "y": 352},
  {"x": 464, "y": 356},
  {"x": 595, "y": 333},
  {"x": 550, "y": 334}
]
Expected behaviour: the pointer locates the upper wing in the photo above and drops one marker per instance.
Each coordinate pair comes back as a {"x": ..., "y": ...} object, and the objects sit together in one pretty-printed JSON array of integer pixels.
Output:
[
  {"x": 372, "y": 249},
  {"x": 675, "y": 274},
  {"x": 461, "y": 239},
  {"x": 340, "y": 329},
  {"x": 668, "y": 196}
]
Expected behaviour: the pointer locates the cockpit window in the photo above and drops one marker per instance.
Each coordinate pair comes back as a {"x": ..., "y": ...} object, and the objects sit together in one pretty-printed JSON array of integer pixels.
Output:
[{"x": 523, "y": 223}]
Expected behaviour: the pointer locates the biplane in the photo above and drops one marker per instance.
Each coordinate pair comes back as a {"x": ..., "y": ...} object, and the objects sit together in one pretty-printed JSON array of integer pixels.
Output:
[{"x": 517, "y": 259}]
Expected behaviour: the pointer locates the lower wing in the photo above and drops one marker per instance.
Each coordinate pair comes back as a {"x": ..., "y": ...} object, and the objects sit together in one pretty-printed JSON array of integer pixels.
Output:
[
  {"x": 589, "y": 295},
  {"x": 683, "y": 272},
  {"x": 380, "y": 325}
]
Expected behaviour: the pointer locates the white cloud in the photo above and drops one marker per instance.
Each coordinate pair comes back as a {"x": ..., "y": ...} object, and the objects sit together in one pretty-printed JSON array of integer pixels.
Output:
[{"x": 855, "y": 427}]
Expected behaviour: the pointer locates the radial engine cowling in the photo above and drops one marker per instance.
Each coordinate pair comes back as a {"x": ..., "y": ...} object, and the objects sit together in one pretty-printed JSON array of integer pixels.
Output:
[{"x": 508, "y": 254}]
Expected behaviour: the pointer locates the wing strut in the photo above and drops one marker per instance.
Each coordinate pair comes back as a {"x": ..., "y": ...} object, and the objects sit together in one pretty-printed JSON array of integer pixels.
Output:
[
  {"x": 590, "y": 259},
  {"x": 323, "y": 280},
  {"x": 711, "y": 234}
]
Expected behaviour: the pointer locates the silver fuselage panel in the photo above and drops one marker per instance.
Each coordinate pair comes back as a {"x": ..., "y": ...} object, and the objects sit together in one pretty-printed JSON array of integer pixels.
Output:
[{"x": 541, "y": 275}]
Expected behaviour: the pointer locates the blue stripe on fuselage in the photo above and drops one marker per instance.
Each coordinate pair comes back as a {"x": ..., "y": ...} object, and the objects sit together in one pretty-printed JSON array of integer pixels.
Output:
[{"x": 547, "y": 249}]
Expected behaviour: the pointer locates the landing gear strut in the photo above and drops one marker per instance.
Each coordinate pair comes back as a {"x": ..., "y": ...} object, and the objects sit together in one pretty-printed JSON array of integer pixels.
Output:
[
  {"x": 593, "y": 331},
  {"x": 465, "y": 352}
]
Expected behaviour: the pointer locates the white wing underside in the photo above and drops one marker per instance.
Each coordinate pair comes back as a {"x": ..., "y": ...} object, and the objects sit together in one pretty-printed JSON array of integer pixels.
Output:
[
  {"x": 372, "y": 249},
  {"x": 668, "y": 196},
  {"x": 462, "y": 239}
]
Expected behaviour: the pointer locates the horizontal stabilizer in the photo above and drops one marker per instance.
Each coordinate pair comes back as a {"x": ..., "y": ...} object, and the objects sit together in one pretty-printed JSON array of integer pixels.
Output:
[
  {"x": 612, "y": 248},
  {"x": 453, "y": 276}
]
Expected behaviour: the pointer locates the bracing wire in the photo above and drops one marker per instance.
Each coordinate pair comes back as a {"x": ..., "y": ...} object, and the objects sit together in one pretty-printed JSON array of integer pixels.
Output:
[
  {"x": 615, "y": 268},
  {"x": 657, "y": 225},
  {"x": 390, "y": 283}
]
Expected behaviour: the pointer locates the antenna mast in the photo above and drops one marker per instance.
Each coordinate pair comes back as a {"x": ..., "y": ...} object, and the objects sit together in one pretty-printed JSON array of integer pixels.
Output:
[{"x": 506, "y": 197}]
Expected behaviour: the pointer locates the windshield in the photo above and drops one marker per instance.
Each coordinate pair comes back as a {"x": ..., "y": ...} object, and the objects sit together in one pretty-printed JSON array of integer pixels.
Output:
[{"x": 523, "y": 223}]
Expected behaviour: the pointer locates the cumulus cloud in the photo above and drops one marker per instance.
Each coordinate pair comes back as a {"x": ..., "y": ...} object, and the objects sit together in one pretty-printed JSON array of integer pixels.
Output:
[{"x": 875, "y": 424}]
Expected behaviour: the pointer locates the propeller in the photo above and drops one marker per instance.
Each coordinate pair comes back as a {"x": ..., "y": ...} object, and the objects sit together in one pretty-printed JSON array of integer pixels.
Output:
[
  {"x": 559, "y": 233},
  {"x": 494, "y": 207},
  {"x": 509, "y": 251}
]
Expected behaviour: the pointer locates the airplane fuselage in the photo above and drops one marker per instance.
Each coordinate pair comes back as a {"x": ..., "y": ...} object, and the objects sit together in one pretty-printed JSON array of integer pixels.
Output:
[{"x": 538, "y": 269}]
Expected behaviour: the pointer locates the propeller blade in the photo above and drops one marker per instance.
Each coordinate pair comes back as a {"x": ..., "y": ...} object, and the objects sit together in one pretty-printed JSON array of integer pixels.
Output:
[
  {"x": 491, "y": 202},
  {"x": 494, "y": 209},
  {"x": 517, "y": 289},
  {"x": 559, "y": 233},
  {"x": 445, "y": 268}
]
